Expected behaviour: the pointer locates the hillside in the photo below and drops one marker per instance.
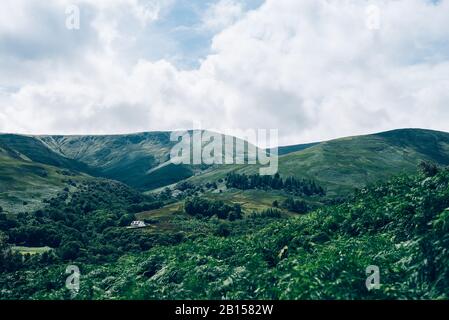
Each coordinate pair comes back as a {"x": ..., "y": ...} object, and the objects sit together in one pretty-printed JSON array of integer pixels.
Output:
[
  {"x": 30, "y": 172},
  {"x": 295, "y": 148},
  {"x": 31, "y": 149},
  {"x": 141, "y": 160},
  {"x": 216, "y": 241},
  {"x": 24, "y": 184},
  {"x": 127, "y": 158},
  {"x": 400, "y": 226},
  {"x": 344, "y": 164}
]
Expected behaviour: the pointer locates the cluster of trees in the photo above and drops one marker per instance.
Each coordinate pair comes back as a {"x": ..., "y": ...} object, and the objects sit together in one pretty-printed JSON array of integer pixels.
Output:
[
  {"x": 9, "y": 261},
  {"x": 298, "y": 206},
  {"x": 202, "y": 207},
  {"x": 189, "y": 189},
  {"x": 145, "y": 206},
  {"x": 290, "y": 184},
  {"x": 429, "y": 169}
]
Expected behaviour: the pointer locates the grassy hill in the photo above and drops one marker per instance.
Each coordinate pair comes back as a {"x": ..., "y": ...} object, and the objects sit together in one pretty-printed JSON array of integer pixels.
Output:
[
  {"x": 127, "y": 158},
  {"x": 141, "y": 160},
  {"x": 31, "y": 149},
  {"x": 295, "y": 148},
  {"x": 34, "y": 166},
  {"x": 266, "y": 252},
  {"x": 24, "y": 183},
  {"x": 344, "y": 164}
]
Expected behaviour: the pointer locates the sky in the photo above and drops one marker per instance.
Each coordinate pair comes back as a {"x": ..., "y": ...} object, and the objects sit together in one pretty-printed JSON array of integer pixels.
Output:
[{"x": 313, "y": 69}]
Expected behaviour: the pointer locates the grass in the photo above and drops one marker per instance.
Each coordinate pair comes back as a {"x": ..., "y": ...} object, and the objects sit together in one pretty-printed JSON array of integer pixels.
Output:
[
  {"x": 31, "y": 250},
  {"x": 342, "y": 165},
  {"x": 24, "y": 184}
]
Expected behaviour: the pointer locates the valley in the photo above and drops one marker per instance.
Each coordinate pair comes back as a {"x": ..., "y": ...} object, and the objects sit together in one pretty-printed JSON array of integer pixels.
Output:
[{"x": 224, "y": 232}]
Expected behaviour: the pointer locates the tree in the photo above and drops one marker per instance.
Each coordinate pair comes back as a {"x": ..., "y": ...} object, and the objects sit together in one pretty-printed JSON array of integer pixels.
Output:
[
  {"x": 429, "y": 169},
  {"x": 298, "y": 206},
  {"x": 126, "y": 219},
  {"x": 223, "y": 230},
  {"x": 9, "y": 261},
  {"x": 70, "y": 250},
  {"x": 204, "y": 208}
]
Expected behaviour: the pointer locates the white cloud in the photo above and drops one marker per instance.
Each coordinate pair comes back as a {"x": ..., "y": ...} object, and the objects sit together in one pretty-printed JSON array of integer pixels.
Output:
[
  {"x": 221, "y": 14},
  {"x": 310, "y": 68}
]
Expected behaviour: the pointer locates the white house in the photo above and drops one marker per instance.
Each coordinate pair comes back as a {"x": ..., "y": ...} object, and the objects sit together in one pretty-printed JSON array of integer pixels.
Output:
[{"x": 138, "y": 224}]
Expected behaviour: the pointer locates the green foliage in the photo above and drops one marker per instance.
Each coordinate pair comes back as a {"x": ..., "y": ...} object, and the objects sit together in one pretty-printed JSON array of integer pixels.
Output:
[
  {"x": 429, "y": 169},
  {"x": 275, "y": 182},
  {"x": 202, "y": 207},
  {"x": 298, "y": 206},
  {"x": 223, "y": 230},
  {"x": 86, "y": 225},
  {"x": 269, "y": 213},
  {"x": 70, "y": 250},
  {"x": 401, "y": 226},
  {"x": 9, "y": 261}
]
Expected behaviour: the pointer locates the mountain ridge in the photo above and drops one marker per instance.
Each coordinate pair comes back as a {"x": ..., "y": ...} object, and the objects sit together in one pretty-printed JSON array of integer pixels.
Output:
[{"x": 141, "y": 159}]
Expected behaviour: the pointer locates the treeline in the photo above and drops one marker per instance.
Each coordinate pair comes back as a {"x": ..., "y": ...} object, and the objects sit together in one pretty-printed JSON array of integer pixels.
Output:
[
  {"x": 201, "y": 207},
  {"x": 291, "y": 184}
]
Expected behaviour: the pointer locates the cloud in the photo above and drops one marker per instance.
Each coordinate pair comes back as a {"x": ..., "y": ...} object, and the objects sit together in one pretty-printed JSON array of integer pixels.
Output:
[
  {"x": 311, "y": 68},
  {"x": 221, "y": 14}
]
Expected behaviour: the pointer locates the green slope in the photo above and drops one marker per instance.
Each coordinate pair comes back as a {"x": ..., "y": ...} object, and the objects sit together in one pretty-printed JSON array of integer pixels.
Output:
[
  {"x": 127, "y": 158},
  {"x": 31, "y": 172},
  {"x": 295, "y": 148},
  {"x": 141, "y": 160},
  {"x": 400, "y": 226},
  {"x": 344, "y": 164},
  {"x": 30, "y": 148},
  {"x": 24, "y": 183}
]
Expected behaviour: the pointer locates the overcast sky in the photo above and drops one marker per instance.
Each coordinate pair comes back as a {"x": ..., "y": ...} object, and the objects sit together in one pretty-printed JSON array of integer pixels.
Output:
[{"x": 314, "y": 69}]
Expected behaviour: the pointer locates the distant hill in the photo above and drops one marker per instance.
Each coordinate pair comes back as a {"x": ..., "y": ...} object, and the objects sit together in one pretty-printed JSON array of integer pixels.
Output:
[
  {"x": 344, "y": 164},
  {"x": 29, "y": 173},
  {"x": 294, "y": 148},
  {"x": 142, "y": 160},
  {"x": 127, "y": 158},
  {"x": 32, "y": 149}
]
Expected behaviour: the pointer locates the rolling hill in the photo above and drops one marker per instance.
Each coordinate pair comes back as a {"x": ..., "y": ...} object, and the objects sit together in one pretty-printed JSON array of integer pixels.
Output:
[
  {"x": 141, "y": 160},
  {"x": 269, "y": 250},
  {"x": 347, "y": 163},
  {"x": 127, "y": 158},
  {"x": 32, "y": 167},
  {"x": 30, "y": 163},
  {"x": 24, "y": 183}
]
